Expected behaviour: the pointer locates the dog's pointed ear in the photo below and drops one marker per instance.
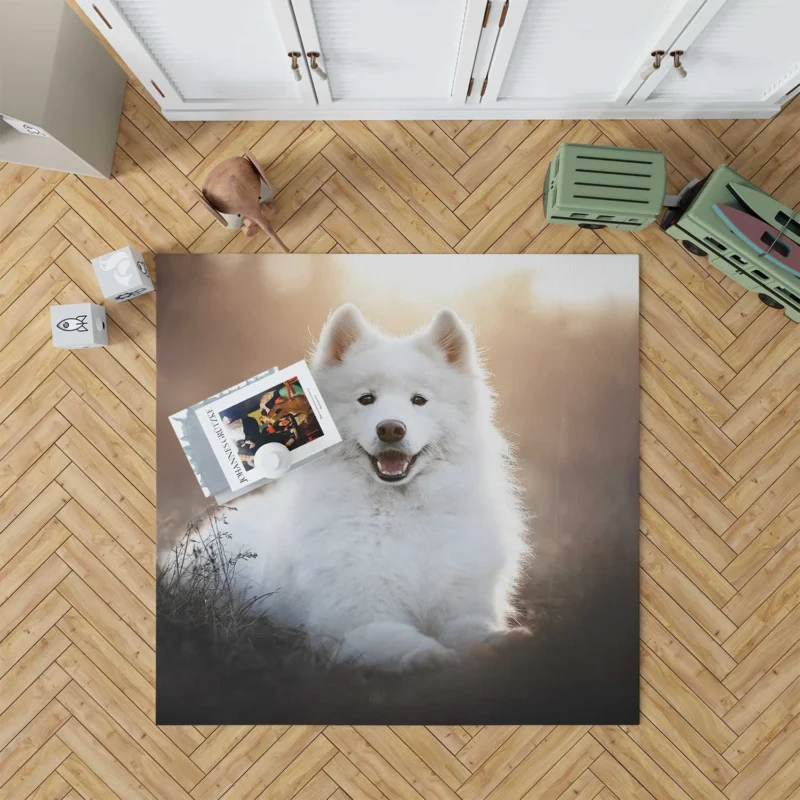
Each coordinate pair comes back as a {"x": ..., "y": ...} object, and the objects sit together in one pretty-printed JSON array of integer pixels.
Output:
[
  {"x": 344, "y": 328},
  {"x": 449, "y": 334}
]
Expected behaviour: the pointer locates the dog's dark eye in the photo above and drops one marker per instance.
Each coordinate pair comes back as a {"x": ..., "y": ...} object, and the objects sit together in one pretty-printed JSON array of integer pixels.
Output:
[
  {"x": 366, "y": 399},
  {"x": 419, "y": 400}
]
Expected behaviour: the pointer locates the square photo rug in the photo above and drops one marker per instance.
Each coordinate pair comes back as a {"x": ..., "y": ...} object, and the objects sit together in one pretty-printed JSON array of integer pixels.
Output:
[{"x": 463, "y": 546}]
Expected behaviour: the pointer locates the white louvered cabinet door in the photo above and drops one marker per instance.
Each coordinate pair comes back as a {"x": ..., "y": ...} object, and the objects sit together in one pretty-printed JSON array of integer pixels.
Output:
[
  {"x": 745, "y": 51},
  {"x": 208, "y": 54},
  {"x": 390, "y": 53},
  {"x": 578, "y": 53}
]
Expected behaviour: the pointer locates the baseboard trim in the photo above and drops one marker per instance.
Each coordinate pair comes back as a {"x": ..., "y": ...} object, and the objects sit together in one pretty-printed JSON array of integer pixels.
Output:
[{"x": 650, "y": 111}]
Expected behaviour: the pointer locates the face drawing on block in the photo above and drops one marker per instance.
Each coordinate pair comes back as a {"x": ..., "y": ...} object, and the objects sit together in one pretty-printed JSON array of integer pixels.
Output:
[
  {"x": 143, "y": 268},
  {"x": 121, "y": 265},
  {"x": 77, "y": 324}
]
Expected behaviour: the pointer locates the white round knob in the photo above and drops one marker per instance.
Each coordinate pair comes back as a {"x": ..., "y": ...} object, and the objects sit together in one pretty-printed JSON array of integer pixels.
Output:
[
  {"x": 676, "y": 55},
  {"x": 273, "y": 460},
  {"x": 648, "y": 72}
]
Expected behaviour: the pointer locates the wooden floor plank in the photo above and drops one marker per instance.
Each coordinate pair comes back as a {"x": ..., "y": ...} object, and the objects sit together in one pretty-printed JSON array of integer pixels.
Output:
[
  {"x": 643, "y": 768},
  {"x": 108, "y": 587},
  {"x": 31, "y": 702},
  {"x": 30, "y": 267},
  {"x": 31, "y": 629},
  {"x": 102, "y": 544},
  {"x": 109, "y": 443},
  {"x": 780, "y": 385},
  {"x": 27, "y": 597},
  {"x": 137, "y": 652},
  {"x": 83, "y": 781},
  {"x": 685, "y": 412},
  {"x": 760, "y": 581},
  {"x": 33, "y": 737},
  {"x": 673, "y": 581},
  {"x": 100, "y": 470},
  {"x": 109, "y": 661},
  {"x": 535, "y": 148},
  {"x": 159, "y": 131},
  {"x": 685, "y": 449},
  {"x": 106, "y": 703},
  {"x": 718, "y": 734},
  {"x": 419, "y": 161},
  {"x": 30, "y": 231},
  {"x": 26, "y": 422},
  {"x": 12, "y": 176},
  {"x": 681, "y": 553},
  {"x": 493, "y": 152},
  {"x": 298, "y": 154},
  {"x": 371, "y": 226},
  {"x": 32, "y": 192},
  {"x": 425, "y": 221},
  {"x": 476, "y": 133},
  {"x": 658, "y": 712},
  {"x": 766, "y": 435},
  {"x": 108, "y": 515},
  {"x": 99, "y": 761},
  {"x": 153, "y": 198},
  {"x": 153, "y": 161},
  {"x": 28, "y": 668},
  {"x": 431, "y": 136}
]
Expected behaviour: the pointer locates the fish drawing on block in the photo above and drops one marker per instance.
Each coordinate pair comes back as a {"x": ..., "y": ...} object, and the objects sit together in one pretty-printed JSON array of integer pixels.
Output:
[
  {"x": 77, "y": 324},
  {"x": 764, "y": 239}
]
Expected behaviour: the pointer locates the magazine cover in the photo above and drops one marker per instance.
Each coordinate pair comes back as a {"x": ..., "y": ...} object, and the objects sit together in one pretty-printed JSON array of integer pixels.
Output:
[{"x": 284, "y": 407}]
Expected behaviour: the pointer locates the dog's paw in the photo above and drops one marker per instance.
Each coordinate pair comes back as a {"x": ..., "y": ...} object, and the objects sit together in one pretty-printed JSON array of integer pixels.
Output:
[
  {"x": 498, "y": 641},
  {"x": 512, "y": 634},
  {"x": 427, "y": 657}
]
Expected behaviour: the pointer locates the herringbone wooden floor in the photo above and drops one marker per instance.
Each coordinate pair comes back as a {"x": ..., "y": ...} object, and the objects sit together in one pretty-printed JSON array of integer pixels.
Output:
[{"x": 720, "y": 470}]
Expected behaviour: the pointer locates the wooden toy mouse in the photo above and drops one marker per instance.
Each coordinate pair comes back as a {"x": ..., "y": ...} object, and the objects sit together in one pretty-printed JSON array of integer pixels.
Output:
[{"x": 233, "y": 194}]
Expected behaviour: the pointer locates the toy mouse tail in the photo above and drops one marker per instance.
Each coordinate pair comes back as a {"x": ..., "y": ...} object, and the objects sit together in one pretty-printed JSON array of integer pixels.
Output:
[{"x": 263, "y": 223}]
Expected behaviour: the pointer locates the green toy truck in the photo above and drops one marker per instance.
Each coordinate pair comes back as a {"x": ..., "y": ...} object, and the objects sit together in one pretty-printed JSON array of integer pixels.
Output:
[
  {"x": 605, "y": 187},
  {"x": 702, "y": 232},
  {"x": 598, "y": 187}
]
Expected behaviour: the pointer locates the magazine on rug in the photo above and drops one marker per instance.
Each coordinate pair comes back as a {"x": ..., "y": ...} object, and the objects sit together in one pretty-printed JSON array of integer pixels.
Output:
[{"x": 277, "y": 406}]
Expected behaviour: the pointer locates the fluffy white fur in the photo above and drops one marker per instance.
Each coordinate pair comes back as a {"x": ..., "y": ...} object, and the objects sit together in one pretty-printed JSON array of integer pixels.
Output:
[{"x": 404, "y": 573}]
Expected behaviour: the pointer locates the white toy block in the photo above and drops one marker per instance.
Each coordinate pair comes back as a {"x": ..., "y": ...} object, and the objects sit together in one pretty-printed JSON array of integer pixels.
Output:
[
  {"x": 79, "y": 325},
  {"x": 122, "y": 274}
]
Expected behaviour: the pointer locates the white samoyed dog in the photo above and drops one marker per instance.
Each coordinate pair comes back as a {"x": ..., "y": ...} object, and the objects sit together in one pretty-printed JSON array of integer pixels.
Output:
[{"x": 402, "y": 546}]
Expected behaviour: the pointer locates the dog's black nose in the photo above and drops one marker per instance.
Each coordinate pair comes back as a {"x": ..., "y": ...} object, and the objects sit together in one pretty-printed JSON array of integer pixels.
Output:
[{"x": 391, "y": 430}]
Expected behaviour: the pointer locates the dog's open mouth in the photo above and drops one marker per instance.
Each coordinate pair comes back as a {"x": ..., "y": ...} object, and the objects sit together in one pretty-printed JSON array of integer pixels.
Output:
[{"x": 392, "y": 465}]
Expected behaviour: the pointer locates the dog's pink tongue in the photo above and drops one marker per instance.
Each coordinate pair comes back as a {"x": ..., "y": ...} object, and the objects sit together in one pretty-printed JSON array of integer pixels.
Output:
[{"x": 392, "y": 462}]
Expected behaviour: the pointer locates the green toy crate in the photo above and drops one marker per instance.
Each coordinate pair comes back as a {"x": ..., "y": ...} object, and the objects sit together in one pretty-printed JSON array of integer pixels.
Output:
[
  {"x": 702, "y": 232},
  {"x": 598, "y": 187}
]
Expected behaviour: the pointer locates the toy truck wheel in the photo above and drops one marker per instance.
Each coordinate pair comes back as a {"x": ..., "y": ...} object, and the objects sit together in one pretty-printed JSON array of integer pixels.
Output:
[
  {"x": 592, "y": 226},
  {"x": 769, "y": 301},
  {"x": 693, "y": 249}
]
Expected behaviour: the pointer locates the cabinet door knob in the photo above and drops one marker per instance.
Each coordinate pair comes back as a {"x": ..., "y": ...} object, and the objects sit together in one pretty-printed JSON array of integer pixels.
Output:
[
  {"x": 294, "y": 55},
  {"x": 315, "y": 68},
  {"x": 657, "y": 56},
  {"x": 676, "y": 58}
]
